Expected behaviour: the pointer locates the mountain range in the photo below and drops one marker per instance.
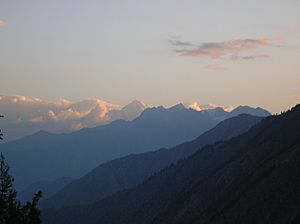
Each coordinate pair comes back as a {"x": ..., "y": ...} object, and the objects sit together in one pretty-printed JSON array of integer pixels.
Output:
[
  {"x": 44, "y": 156},
  {"x": 131, "y": 170},
  {"x": 251, "y": 178},
  {"x": 26, "y": 115}
]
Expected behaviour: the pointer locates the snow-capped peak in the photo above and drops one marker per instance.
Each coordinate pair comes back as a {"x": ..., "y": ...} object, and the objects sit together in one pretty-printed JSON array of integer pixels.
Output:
[
  {"x": 130, "y": 111},
  {"x": 195, "y": 106}
]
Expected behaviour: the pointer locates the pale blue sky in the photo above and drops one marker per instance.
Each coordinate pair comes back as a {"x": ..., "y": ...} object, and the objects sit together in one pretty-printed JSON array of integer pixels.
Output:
[{"x": 121, "y": 50}]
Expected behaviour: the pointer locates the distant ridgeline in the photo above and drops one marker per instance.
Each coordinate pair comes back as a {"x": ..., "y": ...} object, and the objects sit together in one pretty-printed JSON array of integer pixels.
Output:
[
  {"x": 46, "y": 157},
  {"x": 251, "y": 178},
  {"x": 27, "y": 115},
  {"x": 129, "y": 171}
]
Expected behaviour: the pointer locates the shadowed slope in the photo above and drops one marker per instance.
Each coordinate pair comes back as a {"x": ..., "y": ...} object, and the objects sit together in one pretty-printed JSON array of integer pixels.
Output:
[
  {"x": 253, "y": 178},
  {"x": 131, "y": 170}
]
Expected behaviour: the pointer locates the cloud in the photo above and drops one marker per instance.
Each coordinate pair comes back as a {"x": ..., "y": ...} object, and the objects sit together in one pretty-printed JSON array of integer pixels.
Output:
[
  {"x": 25, "y": 115},
  {"x": 249, "y": 57},
  {"x": 221, "y": 49},
  {"x": 215, "y": 67},
  {"x": 180, "y": 43},
  {"x": 2, "y": 23}
]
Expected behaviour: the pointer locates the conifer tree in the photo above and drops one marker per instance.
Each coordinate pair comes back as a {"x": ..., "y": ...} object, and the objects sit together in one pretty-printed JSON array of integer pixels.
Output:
[
  {"x": 11, "y": 210},
  {"x": 1, "y": 134},
  {"x": 30, "y": 211},
  {"x": 8, "y": 203}
]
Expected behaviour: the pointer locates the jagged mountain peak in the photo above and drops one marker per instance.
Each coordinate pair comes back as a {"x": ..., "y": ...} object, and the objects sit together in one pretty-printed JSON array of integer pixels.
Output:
[
  {"x": 137, "y": 104},
  {"x": 177, "y": 107}
]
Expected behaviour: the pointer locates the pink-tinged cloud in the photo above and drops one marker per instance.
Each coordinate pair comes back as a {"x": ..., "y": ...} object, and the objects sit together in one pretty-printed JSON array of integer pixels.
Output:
[
  {"x": 221, "y": 49},
  {"x": 2, "y": 23},
  {"x": 215, "y": 67}
]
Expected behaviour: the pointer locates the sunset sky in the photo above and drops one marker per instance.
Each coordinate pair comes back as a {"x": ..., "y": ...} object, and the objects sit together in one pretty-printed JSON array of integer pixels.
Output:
[{"x": 161, "y": 51}]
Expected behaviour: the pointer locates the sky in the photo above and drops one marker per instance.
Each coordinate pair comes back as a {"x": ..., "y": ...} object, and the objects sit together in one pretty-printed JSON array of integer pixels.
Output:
[{"x": 161, "y": 52}]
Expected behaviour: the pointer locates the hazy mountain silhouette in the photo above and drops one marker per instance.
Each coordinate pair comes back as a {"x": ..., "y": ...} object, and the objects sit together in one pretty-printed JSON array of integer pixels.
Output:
[
  {"x": 249, "y": 110},
  {"x": 253, "y": 178},
  {"x": 45, "y": 156},
  {"x": 131, "y": 170},
  {"x": 49, "y": 188}
]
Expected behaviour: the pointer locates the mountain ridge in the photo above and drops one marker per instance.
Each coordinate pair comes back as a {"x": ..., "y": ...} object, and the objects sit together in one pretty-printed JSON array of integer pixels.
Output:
[
  {"x": 26, "y": 115},
  {"x": 131, "y": 170},
  {"x": 251, "y": 178},
  {"x": 153, "y": 129}
]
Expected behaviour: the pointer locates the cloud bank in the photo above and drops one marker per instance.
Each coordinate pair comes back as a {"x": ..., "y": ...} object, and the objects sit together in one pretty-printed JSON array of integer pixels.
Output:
[
  {"x": 219, "y": 50},
  {"x": 26, "y": 115}
]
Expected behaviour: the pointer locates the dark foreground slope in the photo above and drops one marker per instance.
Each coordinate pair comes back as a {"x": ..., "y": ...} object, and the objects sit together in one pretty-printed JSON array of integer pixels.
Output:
[
  {"x": 126, "y": 172},
  {"x": 253, "y": 178}
]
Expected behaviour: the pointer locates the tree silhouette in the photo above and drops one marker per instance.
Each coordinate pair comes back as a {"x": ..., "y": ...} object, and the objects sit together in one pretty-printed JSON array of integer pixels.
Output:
[
  {"x": 1, "y": 134},
  {"x": 30, "y": 211},
  {"x": 11, "y": 210},
  {"x": 8, "y": 203}
]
